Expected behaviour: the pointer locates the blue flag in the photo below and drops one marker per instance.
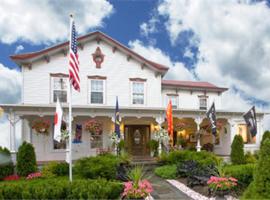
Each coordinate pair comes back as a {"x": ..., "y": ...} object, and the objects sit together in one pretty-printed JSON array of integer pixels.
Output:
[{"x": 117, "y": 121}]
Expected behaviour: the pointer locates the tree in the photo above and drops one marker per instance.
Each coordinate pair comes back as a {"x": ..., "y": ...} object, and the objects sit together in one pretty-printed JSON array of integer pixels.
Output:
[
  {"x": 266, "y": 135},
  {"x": 260, "y": 187},
  {"x": 237, "y": 150},
  {"x": 26, "y": 159}
]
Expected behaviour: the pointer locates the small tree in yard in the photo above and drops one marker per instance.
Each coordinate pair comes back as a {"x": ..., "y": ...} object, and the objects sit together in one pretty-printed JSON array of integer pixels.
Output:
[
  {"x": 266, "y": 135},
  {"x": 26, "y": 159},
  {"x": 260, "y": 187},
  {"x": 237, "y": 150}
]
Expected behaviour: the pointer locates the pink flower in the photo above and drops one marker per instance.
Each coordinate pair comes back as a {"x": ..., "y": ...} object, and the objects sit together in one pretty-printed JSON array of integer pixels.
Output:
[{"x": 34, "y": 175}]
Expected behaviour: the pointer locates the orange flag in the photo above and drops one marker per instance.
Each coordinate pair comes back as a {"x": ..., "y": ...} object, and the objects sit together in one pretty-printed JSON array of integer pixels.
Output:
[{"x": 170, "y": 119}]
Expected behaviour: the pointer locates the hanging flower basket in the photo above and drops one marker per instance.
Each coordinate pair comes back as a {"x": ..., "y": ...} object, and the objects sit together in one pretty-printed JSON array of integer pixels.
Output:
[
  {"x": 93, "y": 127},
  {"x": 41, "y": 126}
]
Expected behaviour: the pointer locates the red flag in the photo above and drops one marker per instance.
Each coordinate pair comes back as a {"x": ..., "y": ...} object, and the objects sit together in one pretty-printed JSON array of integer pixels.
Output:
[{"x": 170, "y": 118}]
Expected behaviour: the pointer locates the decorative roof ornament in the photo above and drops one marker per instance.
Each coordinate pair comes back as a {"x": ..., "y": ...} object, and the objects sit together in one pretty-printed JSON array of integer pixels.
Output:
[{"x": 98, "y": 57}]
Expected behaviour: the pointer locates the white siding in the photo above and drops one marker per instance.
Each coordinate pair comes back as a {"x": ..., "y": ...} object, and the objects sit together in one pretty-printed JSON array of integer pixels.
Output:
[{"x": 115, "y": 67}]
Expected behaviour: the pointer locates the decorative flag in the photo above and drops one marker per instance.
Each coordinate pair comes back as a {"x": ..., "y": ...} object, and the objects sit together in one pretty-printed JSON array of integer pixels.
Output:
[
  {"x": 58, "y": 121},
  {"x": 170, "y": 118},
  {"x": 250, "y": 118},
  {"x": 116, "y": 119},
  {"x": 73, "y": 59},
  {"x": 211, "y": 115}
]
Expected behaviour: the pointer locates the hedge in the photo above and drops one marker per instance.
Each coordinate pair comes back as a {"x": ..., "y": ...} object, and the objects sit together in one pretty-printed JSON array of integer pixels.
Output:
[
  {"x": 243, "y": 173},
  {"x": 54, "y": 169},
  {"x": 6, "y": 166},
  {"x": 203, "y": 157},
  {"x": 60, "y": 188},
  {"x": 166, "y": 171},
  {"x": 102, "y": 166}
]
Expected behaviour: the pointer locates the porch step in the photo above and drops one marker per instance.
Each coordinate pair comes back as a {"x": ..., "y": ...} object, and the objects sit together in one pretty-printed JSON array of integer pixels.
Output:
[{"x": 148, "y": 163}]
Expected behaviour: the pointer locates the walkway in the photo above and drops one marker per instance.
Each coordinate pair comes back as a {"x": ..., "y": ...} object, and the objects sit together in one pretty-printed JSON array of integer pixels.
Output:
[{"x": 164, "y": 190}]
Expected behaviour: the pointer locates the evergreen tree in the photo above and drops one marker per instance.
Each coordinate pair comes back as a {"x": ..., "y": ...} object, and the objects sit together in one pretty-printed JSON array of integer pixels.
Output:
[
  {"x": 237, "y": 150},
  {"x": 26, "y": 159},
  {"x": 265, "y": 136},
  {"x": 260, "y": 187}
]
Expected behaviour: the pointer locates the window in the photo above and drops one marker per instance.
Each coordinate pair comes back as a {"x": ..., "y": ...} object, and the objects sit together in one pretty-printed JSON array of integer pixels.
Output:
[
  {"x": 138, "y": 93},
  {"x": 97, "y": 91},
  {"x": 59, "y": 89},
  {"x": 243, "y": 130},
  {"x": 203, "y": 102},
  {"x": 174, "y": 100},
  {"x": 63, "y": 141}
]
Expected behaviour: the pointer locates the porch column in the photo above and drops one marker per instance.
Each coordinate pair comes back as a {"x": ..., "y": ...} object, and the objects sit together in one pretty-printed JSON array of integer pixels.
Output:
[
  {"x": 232, "y": 123},
  {"x": 198, "y": 121},
  {"x": 159, "y": 120},
  {"x": 13, "y": 119}
]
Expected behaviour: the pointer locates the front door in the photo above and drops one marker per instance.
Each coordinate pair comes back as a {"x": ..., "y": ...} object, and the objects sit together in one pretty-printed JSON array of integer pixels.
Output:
[{"x": 136, "y": 138}]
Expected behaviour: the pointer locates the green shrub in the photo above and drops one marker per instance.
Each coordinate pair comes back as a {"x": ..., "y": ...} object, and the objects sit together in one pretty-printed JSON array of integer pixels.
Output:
[
  {"x": 266, "y": 135},
  {"x": 6, "y": 165},
  {"x": 60, "y": 188},
  {"x": 26, "y": 159},
  {"x": 243, "y": 173},
  {"x": 237, "y": 150},
  {"x": 54, "y": 169},
  {"x": 250, "y": 158},
  {"x": 102, "y": 166},
  {"x": 203, "y": 157},
  {"x": 166, "y": 171},
  {"x": 153, "y": 146},
  {"x": 260, "y": 187}
]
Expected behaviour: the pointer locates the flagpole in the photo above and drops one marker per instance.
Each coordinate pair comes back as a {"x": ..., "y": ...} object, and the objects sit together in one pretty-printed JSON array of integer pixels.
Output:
[{"x": 70, "y": 116}]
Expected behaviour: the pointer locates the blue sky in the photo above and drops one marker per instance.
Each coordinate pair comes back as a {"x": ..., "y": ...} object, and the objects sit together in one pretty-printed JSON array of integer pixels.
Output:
[{"x": 225, "y": 42}]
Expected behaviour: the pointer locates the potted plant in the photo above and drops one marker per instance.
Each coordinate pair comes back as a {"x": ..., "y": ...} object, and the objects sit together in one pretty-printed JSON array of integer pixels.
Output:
[
  {"x": 221, "y": 186},
  {"x": 136, "y": 188},
  {"x": 181, "y": 142},
  {"x": 94, "y": 127},
  {"x": 153, "y": 146},
  {"x": 41, "y": 125}
]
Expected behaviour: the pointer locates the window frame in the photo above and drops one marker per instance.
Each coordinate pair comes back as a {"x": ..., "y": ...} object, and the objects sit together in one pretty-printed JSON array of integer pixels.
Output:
[
  {"x": 96, "y": 78},
  {"x": 169, "y": 96},
  {"x": 141, "y": 81},
  {"x": 52, "y": 79},
  {"x": 201, "y": 97}
]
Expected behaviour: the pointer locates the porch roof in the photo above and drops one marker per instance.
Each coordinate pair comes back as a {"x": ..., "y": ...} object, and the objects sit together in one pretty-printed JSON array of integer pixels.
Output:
[{"x": 92, "y": 111}]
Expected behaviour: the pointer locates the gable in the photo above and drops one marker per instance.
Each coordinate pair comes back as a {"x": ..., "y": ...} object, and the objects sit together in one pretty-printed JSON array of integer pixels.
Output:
[{"x": 28, "y": 58}]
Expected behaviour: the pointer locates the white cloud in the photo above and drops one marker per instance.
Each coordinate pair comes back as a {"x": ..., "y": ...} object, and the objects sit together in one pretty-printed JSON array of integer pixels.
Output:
[
  {"x": 150, "y": 27},
  {"x": 19, "y": 48},
  {"x": 177, "y": 69},
  {"x": 10, "y": 92},
  {"x": 234, "y": 40},
  {"x": 47, "y": 21}
]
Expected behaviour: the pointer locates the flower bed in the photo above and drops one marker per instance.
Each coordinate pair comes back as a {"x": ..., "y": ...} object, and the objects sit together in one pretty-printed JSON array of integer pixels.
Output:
[
  {"x": 221, "y": 185},
  {"x": 142, "y": 190}
]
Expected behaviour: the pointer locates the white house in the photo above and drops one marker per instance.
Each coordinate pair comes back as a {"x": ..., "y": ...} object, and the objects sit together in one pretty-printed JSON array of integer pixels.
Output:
[{"x": 109, "y": 69}]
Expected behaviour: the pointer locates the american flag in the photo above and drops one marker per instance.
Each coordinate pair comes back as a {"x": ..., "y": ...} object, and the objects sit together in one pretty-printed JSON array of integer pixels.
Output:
[{"x": 73, "y": 59}]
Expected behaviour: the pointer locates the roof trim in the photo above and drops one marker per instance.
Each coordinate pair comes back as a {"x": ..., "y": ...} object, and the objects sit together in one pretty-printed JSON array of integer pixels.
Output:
[{"x": 26, "y": 57}]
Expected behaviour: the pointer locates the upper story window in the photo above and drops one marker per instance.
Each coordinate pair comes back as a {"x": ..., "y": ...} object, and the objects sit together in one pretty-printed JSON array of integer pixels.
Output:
[
  {"x": 203, "y": 102},
  {"x": 97, "y": 90},
  {"x": 138, "y": 91},
  {"x": 59, "y": 88},
  {"x": 174, "y": 100}
]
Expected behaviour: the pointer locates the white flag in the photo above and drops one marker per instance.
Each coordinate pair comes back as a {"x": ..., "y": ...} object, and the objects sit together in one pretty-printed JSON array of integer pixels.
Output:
[{"x": 58, "y": 121}]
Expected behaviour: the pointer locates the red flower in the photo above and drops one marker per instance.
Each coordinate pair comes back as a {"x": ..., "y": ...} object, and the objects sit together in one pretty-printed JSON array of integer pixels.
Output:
[{"x": 11, "y": 178}]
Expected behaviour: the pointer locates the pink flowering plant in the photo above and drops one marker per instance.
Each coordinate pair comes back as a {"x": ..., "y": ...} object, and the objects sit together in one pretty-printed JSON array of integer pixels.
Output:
[
  {"x": 221, "y": 183},
  {"x": 137, "y": 187},
  {"x": 34, "y": 175},
  {"x": 93, "y": 127}
]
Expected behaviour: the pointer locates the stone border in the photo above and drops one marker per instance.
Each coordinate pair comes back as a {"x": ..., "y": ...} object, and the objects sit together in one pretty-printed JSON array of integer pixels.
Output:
[{"x": 191, "y": 193}]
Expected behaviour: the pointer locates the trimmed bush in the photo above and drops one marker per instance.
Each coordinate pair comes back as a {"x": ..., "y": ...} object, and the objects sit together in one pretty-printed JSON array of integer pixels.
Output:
[
  {"x": 260, "y": 187},
  {"x": 26, "y": 159},
  {"x": 166, "y": 171},
  {"x": 6, "y": 166},
  {"x": 203, "y": 157},
  {"x": 54, "y": 169},
  {"x": 250, "y": 158},
  {"x": 60, "y": 188},
  {"x": 243, "y": 173},
  {"x": 266, "y": 135},
  {"x": 237, "y": 150},
  {"x": 102, "y": 166}
]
